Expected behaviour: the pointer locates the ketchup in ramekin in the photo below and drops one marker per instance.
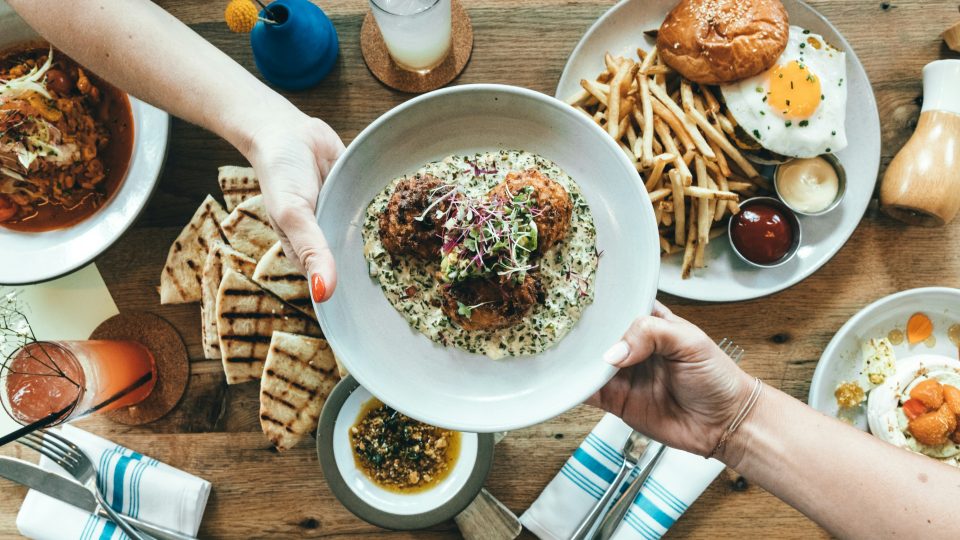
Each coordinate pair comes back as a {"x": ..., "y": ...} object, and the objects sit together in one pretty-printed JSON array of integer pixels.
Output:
[{"x": 765, "y": 232}]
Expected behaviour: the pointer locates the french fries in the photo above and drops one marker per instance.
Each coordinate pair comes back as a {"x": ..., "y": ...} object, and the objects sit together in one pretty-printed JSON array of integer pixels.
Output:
[{"x": 678, "y": 135}]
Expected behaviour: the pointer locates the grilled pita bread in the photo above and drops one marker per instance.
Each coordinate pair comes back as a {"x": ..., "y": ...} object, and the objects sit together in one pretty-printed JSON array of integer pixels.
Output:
[
  {"x": 247, "y": 316},
  {"x": 180, "y": 280},
  {"x": 248, "y": 229},
  {"x": 221, "y": 258},
  {"x": 237, "y": 184},
  {"x": 298, "y": 376},
  {"x": 279, "y": 275}
]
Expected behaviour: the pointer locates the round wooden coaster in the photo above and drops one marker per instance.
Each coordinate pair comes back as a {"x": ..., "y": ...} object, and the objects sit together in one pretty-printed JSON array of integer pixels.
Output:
[
  {"x": 383, "y": 67},
  {"x": 169, "y": 353}
]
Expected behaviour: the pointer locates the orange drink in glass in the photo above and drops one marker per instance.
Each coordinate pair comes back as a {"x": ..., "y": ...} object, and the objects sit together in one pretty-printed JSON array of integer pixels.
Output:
[{"x": 57, "y": 381}]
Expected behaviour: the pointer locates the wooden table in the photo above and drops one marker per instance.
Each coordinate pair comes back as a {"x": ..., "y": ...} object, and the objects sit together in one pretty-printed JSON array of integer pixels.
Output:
[{"x": 257, "y": 493}]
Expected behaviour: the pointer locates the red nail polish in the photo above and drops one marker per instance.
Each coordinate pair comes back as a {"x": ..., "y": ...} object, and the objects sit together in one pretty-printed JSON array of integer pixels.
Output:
[{"x": 317, "y": 287}]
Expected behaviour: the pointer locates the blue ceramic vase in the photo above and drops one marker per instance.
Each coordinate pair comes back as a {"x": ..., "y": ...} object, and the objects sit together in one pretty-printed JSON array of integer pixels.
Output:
[{"x": 299, "y": 50}]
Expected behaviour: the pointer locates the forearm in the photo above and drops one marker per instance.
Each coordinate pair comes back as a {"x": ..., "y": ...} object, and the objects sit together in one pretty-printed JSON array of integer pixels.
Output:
[
  {"x": 148, "y": 53},
  {"x": 849, "y": 482}
]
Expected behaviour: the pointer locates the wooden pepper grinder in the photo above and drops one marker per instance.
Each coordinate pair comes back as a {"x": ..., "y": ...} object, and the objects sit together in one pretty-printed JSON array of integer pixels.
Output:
[{"x": 922, "y": 183}]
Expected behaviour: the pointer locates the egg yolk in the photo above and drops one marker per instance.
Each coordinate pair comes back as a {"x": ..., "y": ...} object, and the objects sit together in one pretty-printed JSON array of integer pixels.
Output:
[{"x": 794, "y": 90}]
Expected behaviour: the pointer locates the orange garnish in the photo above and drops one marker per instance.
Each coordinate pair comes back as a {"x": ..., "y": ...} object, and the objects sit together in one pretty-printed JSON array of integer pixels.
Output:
[
  {"x": 929, "y": 392},
  {"x": 933, "y": 428},
  {"x": 913, "y": 408},
  {"x": 951, "y": 396},
  {"x": 919, "y": 328}
]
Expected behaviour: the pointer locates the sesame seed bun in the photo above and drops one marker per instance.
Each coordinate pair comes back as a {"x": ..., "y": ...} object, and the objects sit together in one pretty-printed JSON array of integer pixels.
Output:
[{"x": 722, "y": 41}]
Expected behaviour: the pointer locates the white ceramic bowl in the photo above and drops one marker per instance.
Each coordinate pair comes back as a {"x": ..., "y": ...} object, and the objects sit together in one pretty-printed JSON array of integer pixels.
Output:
[
  {"x": 377, "y": 505},
  {"x": 841, "y": 360},
  {"x": 46, "y": 255},
  {"x": 448, "y": 387},
  {"x": 727, "y": 278}
]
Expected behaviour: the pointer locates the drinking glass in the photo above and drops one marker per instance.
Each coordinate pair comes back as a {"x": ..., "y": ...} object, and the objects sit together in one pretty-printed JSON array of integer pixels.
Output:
[
  {"x": 416, "y": 32},
  {"x": 47, "y": 383}
]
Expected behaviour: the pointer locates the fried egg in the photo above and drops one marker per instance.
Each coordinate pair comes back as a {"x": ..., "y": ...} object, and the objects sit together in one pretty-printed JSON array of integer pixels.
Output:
[
  {"x": 885, "y": 414},
  {"x": 796, "y": 108}
]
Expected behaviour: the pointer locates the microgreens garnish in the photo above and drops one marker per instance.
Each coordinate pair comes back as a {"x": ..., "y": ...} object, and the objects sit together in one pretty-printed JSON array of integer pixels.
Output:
[
  {"x": 467, "y": 311},
  {"x": 485, "y": 236},
  {"x": 478, "y": 171}
]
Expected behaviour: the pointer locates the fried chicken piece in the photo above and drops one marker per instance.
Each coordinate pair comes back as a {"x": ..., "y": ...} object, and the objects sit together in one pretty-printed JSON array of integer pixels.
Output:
[
  {"x": 488, "y": 304},
  {"x": 550, "y": 199},
  {"x": 401, "y": 230}
]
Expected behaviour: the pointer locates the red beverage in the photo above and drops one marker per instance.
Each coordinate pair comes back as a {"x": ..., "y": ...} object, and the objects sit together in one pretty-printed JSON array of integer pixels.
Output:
[{"x": 70, "y": 379}]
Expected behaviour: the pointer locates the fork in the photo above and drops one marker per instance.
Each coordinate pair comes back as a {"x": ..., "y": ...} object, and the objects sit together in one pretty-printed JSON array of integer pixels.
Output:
[
  {"x": 76, "y": 462},
  {"x": 731, "y": 349},
  {"x": 632, "y": 450}
]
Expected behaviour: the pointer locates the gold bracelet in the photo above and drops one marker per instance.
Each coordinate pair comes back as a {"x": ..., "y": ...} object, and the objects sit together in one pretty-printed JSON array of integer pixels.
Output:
[{"x": 739, "y": 418}]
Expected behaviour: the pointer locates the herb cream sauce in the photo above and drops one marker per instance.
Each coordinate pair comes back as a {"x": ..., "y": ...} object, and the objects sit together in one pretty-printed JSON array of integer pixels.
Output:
[{"x": 567, "y": 271}]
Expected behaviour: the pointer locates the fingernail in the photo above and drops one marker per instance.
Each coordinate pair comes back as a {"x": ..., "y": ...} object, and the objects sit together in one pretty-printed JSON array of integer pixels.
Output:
[
  {"x": 616, "y": 354},
  {"x": 317, "y": 288}
]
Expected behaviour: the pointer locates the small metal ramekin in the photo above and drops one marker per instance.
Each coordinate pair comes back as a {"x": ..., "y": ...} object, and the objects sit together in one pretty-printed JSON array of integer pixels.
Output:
[
  {"x": 792, "y": 220},
  {"x": 841, "y": 186}
]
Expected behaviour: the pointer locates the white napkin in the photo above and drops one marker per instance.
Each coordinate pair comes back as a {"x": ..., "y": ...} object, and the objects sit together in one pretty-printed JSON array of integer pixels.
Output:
[
  {"x": 675, "y": 483},
  {"x": 132, "y": 483}
]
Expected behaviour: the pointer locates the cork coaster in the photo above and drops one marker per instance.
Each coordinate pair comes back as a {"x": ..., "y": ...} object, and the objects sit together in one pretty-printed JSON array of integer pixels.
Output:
[
  {"x": 383, "y": 67},
  {"x": 170, "y": 354}
]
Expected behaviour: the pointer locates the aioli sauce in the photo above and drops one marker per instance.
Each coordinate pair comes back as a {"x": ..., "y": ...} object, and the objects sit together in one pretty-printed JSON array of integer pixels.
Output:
[
  {"x": 762, "y": 234},
  {"x": 808, "y": 185}
]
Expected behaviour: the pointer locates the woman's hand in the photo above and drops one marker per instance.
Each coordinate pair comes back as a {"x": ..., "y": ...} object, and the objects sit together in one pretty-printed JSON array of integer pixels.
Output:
[
  {"x": 292, "y": 156},
  {"x": 675, "y": 385}
]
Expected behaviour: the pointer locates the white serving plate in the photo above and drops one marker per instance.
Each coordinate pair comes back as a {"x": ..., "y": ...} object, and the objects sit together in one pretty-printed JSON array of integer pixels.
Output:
[
  {"x": 727, "y": 278},
  {"x": 42, "y": 256},
  {"x": 448, "y": 387},
  {"x": 841, "y": 360}
]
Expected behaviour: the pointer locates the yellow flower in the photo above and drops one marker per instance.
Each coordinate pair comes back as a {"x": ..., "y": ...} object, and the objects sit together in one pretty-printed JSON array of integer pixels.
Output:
[{"x": 241, "y": 15}]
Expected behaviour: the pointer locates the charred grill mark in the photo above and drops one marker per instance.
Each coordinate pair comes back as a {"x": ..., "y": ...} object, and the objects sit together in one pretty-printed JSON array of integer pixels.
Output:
[
  {"x": 291, "y": 357},
  {"x": 254, "y": 315},
  {"x": 285, "y": 277},
  {"x": 241, "y": 292},
  {"x": 311, "y": 391},
  {"x": 252, "y": 215},
  {"x": 255, "y": 338},
  {"x": 243, "y": 360},
  {"x": 272, "y": 420},
  {"x": 279, "y": 400}
]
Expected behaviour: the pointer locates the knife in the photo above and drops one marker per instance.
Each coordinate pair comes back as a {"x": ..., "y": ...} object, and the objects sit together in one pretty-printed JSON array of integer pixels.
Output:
[
  {"x": 619, "y": 510},
  {"x": 72, "y": 493}
]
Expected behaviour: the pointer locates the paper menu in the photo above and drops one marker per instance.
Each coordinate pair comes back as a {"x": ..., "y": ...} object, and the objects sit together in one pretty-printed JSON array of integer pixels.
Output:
[{"x": 67, "y": 308}]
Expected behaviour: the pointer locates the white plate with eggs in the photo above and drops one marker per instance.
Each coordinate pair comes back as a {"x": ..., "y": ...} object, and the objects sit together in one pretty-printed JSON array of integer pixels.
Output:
[
  {"x": 843, "y": 359},
  {"x": 727, "y": 278}
]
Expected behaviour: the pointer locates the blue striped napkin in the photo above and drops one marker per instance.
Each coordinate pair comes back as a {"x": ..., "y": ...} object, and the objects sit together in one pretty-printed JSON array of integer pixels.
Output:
[
  {"x": 677, "y": 481},
  {"x": 132, "y": 483}
]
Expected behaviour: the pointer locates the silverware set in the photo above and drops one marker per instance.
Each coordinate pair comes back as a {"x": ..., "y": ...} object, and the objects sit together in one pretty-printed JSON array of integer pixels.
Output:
[
  {"x": 82, "y": 493},
  {"x": 639, "y": 453}
]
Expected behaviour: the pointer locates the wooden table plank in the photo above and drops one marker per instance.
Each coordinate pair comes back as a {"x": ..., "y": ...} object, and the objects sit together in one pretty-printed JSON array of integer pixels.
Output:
[{"x": 258, "y": 493}]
